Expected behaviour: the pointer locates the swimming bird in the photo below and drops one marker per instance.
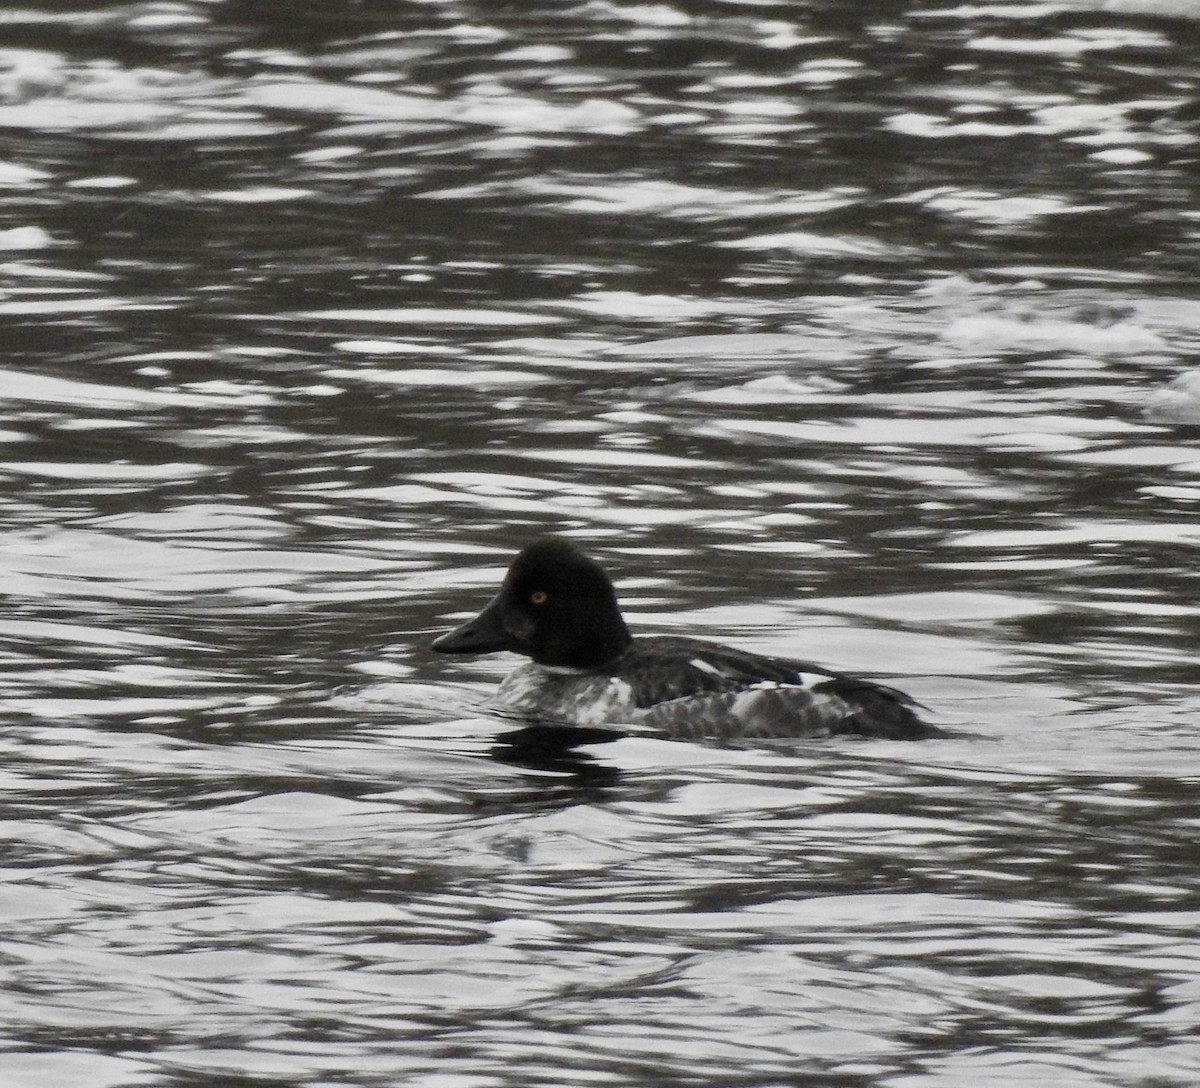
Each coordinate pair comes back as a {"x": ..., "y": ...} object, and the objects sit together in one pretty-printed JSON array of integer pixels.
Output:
[{"x": 557, "y": 606}]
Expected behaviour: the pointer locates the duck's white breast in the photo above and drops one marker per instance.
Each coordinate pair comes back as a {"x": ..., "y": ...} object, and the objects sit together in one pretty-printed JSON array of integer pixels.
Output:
[{"x": 568, "y": 696}]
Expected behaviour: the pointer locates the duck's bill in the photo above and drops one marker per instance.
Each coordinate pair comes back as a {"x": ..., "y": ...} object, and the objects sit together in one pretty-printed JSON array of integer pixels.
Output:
[{"x": 485, "y": 634}]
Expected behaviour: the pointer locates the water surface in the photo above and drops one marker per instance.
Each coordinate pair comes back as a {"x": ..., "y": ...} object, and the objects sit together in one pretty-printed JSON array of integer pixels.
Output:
[{"x": 843, "y": 332}]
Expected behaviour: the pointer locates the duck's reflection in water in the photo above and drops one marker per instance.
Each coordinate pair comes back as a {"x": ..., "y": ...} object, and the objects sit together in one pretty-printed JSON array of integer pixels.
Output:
[{"x": 556, "y": 748}]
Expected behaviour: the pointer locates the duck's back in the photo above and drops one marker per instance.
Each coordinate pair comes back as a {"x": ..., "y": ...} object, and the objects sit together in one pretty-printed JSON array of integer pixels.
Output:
[
  {"x": 691, "y": 688},
  {"x": 688, "y": 688}
]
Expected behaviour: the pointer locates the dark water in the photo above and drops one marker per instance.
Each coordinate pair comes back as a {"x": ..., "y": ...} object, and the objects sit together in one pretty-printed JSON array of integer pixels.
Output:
[{"x": 863, "y": 333}]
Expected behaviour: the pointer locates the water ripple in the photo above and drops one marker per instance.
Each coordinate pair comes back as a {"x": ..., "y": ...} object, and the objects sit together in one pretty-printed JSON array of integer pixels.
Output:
[{"x": 845, "y": 335}]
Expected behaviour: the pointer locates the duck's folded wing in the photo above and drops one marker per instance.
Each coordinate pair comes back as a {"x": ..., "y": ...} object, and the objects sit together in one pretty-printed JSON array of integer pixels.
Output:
[
  {"x": 875, "y": 710},
  {"x": 664, "y": 669},
  {"x": 691, "y": 688}
]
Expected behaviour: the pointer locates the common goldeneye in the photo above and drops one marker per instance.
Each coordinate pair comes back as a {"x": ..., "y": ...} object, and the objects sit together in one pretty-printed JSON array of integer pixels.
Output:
[{"x": 558, "y": 607}]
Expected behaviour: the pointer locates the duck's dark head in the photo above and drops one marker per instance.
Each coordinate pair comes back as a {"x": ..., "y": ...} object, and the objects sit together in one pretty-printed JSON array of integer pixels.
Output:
[{"x": 556, "y": 606}]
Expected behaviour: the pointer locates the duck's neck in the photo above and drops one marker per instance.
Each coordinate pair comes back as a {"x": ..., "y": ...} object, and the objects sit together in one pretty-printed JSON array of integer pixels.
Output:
[{"x": 599, "y": 650}]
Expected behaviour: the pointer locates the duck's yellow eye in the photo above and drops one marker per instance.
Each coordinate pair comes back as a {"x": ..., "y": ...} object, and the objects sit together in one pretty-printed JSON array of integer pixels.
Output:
[{"x": 539, "y": 596}]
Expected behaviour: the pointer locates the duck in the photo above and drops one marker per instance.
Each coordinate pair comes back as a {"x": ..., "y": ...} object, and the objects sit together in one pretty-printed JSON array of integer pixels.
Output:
[{"x": 557, "y": 607}]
